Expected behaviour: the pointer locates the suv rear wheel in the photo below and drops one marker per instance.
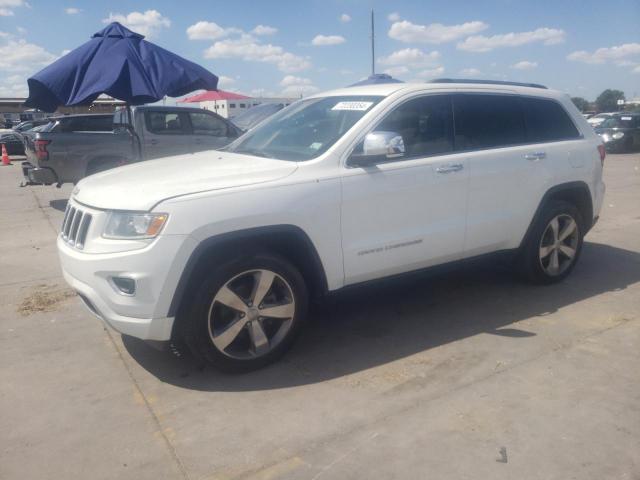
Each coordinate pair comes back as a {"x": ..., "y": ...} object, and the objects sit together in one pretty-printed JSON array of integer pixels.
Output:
[
  {"x": 554, "y": 244},
  {"x": 247, "y": 313}
]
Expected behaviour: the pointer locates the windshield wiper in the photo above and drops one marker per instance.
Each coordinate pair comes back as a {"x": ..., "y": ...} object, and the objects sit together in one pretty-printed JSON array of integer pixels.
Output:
[{"x": 254, "y": 152}]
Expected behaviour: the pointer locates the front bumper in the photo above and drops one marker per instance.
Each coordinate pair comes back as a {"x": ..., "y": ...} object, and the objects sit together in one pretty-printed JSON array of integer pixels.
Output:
[
  {"x": 144, "y": 328},
  {"x": 38, "y": 175},
  {"x": 156, "y": 271}
]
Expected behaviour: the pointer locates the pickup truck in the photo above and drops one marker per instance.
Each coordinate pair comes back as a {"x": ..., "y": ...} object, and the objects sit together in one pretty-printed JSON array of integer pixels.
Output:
[{"x": 75, "y": 146}]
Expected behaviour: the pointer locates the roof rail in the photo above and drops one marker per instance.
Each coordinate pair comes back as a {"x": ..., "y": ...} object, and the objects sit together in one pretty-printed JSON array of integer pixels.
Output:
[{"x": 486, "y": 82}]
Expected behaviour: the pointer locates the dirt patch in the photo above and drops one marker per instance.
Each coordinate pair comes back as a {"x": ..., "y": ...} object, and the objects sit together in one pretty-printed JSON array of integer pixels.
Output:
[{"x": 44, "y": 298}]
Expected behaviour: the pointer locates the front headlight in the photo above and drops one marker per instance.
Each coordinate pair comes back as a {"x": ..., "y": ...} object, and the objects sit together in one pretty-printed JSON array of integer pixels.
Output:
[
  {"x": 618, "y": 135},
  {"x": 132, "y": 226}
]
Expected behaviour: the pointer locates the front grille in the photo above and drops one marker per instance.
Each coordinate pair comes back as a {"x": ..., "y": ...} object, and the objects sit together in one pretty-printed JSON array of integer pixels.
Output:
[{"x": 75, "y": 226}]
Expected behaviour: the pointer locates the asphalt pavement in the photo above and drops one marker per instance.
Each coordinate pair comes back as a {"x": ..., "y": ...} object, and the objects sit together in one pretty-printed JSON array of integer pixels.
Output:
[{"x": 469, "y": 374}]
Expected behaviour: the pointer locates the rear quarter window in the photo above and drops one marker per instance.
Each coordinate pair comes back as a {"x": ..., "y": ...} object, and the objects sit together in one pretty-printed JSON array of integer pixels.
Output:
[
  {"x": 547, "y": 121},
  {"x": 487, "y": 121}
]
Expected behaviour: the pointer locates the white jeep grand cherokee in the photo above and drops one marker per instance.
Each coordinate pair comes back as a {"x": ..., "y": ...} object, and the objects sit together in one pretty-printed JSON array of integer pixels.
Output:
[{"x": 225, "y": 248}]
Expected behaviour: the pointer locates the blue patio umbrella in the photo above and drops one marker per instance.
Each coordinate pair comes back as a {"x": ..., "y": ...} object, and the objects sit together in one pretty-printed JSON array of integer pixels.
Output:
[{"x": 120, "y": 63}]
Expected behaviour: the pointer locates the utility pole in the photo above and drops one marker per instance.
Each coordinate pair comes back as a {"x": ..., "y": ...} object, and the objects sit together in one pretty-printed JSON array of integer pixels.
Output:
[{"x": 373, "y": 47}]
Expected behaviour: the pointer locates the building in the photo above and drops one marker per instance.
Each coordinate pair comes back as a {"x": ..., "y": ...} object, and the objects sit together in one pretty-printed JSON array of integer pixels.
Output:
[{"x": 230, "y": 104}]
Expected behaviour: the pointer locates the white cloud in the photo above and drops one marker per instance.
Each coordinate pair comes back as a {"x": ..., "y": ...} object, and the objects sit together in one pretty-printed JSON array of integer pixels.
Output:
[
  {"x": 7, "y": 6},
  {"x": 21, "y": 30},
  {"x": 408, "y": 32},
  {"x": 396, "y": 71},
  {"x": 606, "y": 54},
  {"x": 246, "y": 46},
  {"x": 325, "y": 40},
  {"x": 636, "y": 70},
  {"x": 297, "y": 86},
  {"x": 393, "y": 17},
  {"x": 470, "y": 72},
  {"x": 431, "y": 72},
  {"x": 249, "y": 49},
  {"x": 524, "y": 65},
  {"x": 293, "y": 80},
  {"x": 261, "y": 92},
  {"x": 209, "y": 31},
  {"x": 481, "y": 43},
  {"x": 20, "y": 60},
  {"x": 225, "y": 82},
  {"x": 264, "y": 30},
  {"x": 72, "y": 11},
  {"x": 22, "y": 56},
  {"x": 625, "y": 63},
  {"x": 148, "y": 23},
  {"x": 409, "y": 57},
  {"x": 345, "y": 18}
]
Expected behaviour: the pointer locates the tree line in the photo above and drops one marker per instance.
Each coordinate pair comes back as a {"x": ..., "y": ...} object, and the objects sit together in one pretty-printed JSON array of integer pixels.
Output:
[{"x": 607, "y": 101}]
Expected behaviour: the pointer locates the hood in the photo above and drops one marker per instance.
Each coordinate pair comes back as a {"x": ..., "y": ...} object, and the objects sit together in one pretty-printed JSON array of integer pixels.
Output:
[{"x": 142, "y": 185}]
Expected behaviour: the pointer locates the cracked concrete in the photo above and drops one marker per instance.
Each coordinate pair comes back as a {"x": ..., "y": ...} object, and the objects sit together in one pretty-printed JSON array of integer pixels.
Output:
[{"x": 468, "y": 374}]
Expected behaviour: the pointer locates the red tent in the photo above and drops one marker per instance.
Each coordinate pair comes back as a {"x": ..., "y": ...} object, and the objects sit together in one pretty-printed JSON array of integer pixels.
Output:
[{"x": 213, "y": 95}]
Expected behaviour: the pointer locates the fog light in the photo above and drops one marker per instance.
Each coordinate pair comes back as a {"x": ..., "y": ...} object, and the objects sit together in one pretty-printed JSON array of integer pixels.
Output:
[{"x": 125, "y": 285}]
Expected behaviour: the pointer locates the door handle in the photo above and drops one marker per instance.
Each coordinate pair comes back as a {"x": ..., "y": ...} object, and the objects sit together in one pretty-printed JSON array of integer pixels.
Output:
[
  {"x": 453, "y": 167},
  {"x": 535, "y": 156},
  {"x": 153, "y": 142}
]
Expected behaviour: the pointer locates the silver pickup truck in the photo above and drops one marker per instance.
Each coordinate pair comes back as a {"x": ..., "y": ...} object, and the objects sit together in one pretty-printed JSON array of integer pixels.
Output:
[{"x": 78, "y": 146}]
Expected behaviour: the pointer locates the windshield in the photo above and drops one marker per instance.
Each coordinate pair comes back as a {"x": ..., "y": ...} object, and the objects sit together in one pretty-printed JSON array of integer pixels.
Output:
[
  {"x": 256, "y": 114},
  {"x": 305, "y": 129},
  {"x": 617, "y": 122}
]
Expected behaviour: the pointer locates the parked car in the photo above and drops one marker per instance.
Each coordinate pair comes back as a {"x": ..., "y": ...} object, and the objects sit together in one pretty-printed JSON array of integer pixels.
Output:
[
  {"x": 252, "y": 117},
  {"x": 225, "y": 249},
  {"x": 620, "y": 132},
  {"x": 13, "y": 142},
  {"x": 75, "y": 146},
  {"x": 596, "y": 120},
  {"x": 30, "y": 124}
]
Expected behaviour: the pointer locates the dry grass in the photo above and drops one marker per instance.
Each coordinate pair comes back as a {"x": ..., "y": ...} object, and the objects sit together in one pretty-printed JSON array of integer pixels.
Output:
[{"x": 44, "y": 298}]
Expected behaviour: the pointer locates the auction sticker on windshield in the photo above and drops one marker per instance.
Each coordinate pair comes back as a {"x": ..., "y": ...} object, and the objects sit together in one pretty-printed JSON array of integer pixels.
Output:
[{"x": 358, "y": 106}]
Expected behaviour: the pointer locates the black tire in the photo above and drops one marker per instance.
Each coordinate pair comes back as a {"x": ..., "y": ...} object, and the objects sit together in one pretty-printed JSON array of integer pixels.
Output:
[
  {"x": 529, "y": 261},
  {"x": 196, "y": 327}
]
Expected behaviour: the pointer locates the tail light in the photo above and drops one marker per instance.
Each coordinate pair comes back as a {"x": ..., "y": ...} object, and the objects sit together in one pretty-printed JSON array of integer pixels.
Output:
[{"x": 41, "y": 149}]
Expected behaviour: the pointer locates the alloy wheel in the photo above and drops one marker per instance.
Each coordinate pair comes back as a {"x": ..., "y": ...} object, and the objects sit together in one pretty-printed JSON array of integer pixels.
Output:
[
  {"x": 559, "y": 245},
  {"x": 251, "y": 314}
]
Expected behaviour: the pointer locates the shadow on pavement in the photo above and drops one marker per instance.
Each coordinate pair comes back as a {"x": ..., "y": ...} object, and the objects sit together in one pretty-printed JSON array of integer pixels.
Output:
[
  {"x": 60, "y": 204},
  {"x": 373, "y": 326}
]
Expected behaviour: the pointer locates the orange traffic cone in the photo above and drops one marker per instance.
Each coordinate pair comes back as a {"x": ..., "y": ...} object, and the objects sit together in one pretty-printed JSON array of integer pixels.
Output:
[{"x": 5, "y": 156}]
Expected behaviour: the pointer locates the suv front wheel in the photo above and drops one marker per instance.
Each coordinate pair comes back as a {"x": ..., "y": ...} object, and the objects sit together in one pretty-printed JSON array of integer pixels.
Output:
[
  {"x": 247, "y": 313},
  {"x": 554, "y": 244}
]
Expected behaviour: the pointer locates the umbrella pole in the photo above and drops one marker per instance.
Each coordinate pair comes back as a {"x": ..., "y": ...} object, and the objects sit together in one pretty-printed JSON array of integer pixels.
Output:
[{"x": 136, "y": 144}]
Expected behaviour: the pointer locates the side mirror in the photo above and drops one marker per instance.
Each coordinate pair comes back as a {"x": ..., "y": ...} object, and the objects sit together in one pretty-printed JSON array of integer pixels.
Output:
[{"x": 377, "y": 147}]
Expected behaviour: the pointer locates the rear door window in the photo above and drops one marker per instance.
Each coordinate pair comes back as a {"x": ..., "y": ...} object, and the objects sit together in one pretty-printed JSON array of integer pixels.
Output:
[
  {"x": 206, "y": 124},
  {"x": 167, "y": 123},
  {"x": 487, "y": 121},
  {"x": 547, "y": 121}
]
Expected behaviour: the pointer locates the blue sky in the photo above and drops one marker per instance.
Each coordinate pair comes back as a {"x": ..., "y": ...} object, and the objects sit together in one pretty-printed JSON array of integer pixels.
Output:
[{"x": 581, "y": 47}]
